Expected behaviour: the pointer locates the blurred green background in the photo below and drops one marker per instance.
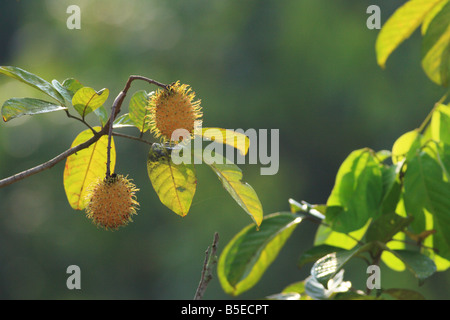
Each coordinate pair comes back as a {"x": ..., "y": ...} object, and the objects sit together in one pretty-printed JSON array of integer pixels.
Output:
[{"x": 305, "y": 67}]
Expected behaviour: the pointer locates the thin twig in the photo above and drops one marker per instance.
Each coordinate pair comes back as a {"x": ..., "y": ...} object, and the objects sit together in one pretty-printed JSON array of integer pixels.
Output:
[
  {"x": 47, "y": 165},
  {"x": 210, "y": 261},
  {"x": 81, "y": 120},
  {"x": 118, "y": 134}
]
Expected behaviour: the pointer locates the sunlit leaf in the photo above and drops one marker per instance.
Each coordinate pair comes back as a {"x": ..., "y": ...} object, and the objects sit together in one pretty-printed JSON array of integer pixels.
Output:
[
  {"x": 138, "y": 110},
  {"x": 86, "y": 100},
  {"x": 420, "y": 265},
  {"x": 435, "y": 47},
  {"x": 17, "y": 107},
  {"x": 431, "y": 14},
  {"x": 357, "y": 193},
  {"x": 326, "y": 235},
  {"x": 231, "y": 177},
  {"x": 426, "y": 189},
  {"x": 247, "y": 256},
  {"x": 400, "y": 26},
  {"x": 440, "y": 124},
  {"x": 405, "y": 146},
  {"x": 389, "y": 258},
  {"x": 175, "y": 184},
  {"x": 85, "y": 166},
  {"x": 33, "y": 81}
]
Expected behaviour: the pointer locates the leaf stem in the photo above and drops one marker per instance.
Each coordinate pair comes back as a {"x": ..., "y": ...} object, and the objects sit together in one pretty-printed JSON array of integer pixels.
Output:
[
  {"x": 81, "y": 120},
  {"x": 132, "y": 138},
  {"x": 428, "y": 118}
]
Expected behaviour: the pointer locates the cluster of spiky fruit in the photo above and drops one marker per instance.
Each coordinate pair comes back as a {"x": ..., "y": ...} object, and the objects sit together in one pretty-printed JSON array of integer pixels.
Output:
[{"x": 111, "y": 201}]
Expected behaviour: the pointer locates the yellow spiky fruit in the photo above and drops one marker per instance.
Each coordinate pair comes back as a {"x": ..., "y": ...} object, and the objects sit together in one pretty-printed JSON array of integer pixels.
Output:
[
  {"x": 111, "y": 201},
  {"x": 173, "y": 108}
]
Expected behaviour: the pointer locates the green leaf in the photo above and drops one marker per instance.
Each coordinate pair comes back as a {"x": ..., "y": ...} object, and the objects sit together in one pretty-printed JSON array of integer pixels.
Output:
[
  {"x": 175, "y": 184},
  {"x": 326, "y": 235},
  {"x": 17, "y": 107},
  {"x": 72, "y": 86},
  {"x": 386, "y": 226},
  {"x": 138, "y": 110},
  {"x": 235, "y": 139},
  {"x": 84, "y": 167},
  {"x": 33, "y": 81},
  {"x": 426, "y": 189},
  {"x": 63, "y": 91},
  {"x": 231, "y": 177},
  {"x": 406, "y": 146},
  {"x": 404, "y": 294},
  {"x": 247, "y": 256},
  {"x": 392, "y": 187},
  {"x": 400, "y": 26},
  {"x": 86, "y": 100},
  {"x": 430, "y": 15},
  {"x": 357, "y": 192},
  {"x": 328, "y": 266},
  {"x": 420, "y": 265},
  {"x": 440, "y": 124},
  {"x": 123, "y": 121},
  {"x": 315, "y": 253},
  {"x": 435, "y": 47}
]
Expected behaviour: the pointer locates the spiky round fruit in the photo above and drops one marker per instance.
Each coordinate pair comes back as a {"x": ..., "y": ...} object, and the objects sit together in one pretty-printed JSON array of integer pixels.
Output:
[
  {"x": 111, "y": 201},
  {"x": 173, "y": 108}
]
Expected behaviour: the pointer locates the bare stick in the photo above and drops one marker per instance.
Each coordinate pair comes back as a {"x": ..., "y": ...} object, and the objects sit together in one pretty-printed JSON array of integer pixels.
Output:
[{"x": 210, "y": 261}]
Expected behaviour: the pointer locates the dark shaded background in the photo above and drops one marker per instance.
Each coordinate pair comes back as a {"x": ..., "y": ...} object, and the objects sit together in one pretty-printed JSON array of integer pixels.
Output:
[{"x": 305, "y": 67}]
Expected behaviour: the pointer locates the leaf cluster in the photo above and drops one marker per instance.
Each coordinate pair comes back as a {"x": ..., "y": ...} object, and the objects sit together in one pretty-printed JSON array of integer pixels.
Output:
[
  {"x": 92, "y": 152},
  {"x": 389, "y": 205}
]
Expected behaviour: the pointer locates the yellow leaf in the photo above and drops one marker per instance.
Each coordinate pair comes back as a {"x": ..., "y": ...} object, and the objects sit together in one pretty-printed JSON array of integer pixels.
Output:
[
  {"x": 174, "y": 184},
  {"x": 404, "y": 144},
  {"x": 400, "y": 26},
  {"x": 83, "y": 167},
  {"x": 231, "y": 177}
]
